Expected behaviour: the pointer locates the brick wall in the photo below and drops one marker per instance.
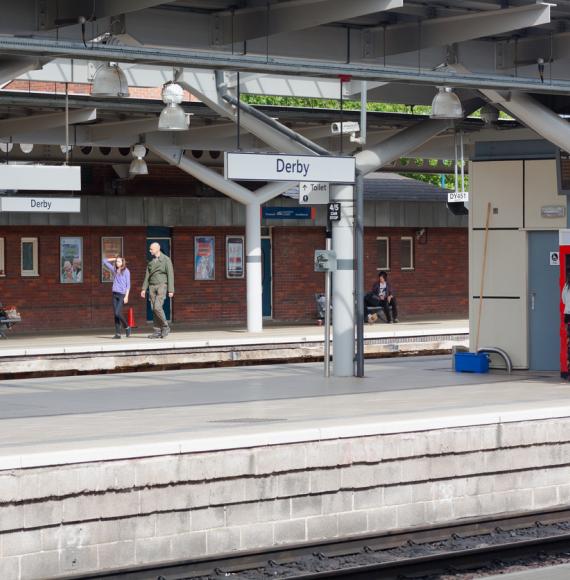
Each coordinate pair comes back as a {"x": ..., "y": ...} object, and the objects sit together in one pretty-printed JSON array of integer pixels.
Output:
[
  {"x": 44, "y": 302},
  {"x": 437, "y": 286}
]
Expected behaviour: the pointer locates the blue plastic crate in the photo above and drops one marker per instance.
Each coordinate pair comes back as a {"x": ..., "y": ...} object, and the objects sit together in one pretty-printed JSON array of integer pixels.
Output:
[{"x": 471, "y": 362}]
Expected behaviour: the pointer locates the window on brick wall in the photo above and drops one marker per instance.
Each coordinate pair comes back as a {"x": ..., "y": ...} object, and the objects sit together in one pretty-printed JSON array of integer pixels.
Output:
[
  {"x": 406, "y": 253},
  {"x": 2, "y": 257},
  {"x": 383, "y": 244},
  {"x": 29, "y": 257}
]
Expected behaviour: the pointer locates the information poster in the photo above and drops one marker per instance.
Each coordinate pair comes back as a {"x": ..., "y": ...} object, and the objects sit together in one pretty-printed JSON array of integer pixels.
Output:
[
  {"x": 204, "y": 258},
  {"x": 71, "y": 260},
  {"x": 234, "y": 257},
  {"x": 110, "y": 248}
]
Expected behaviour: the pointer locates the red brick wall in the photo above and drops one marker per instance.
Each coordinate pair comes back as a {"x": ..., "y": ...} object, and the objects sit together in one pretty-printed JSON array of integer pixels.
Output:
[
  {"x": 439, "y": 282},
  {"x": 437, "y": 286},
  {"x": 45, "y": 303}
]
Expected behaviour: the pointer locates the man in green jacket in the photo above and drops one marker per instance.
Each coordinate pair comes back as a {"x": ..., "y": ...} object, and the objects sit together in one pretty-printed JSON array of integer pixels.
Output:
[{"x": 159, "y": 280}]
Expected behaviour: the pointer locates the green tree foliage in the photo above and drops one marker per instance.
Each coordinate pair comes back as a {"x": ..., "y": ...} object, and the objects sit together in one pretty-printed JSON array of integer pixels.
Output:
[{"x": 351, "y": 105}]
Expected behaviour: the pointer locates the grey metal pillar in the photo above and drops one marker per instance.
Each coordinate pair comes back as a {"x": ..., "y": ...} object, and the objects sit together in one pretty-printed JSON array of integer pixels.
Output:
[
  {"x": 359, "y": 277},
  {"x": 343, "y": 283}
]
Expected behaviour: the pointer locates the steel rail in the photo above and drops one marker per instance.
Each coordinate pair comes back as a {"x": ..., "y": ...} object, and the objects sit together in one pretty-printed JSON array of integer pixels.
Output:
[
  {"x": 437, "y": 561},
  {"x": 276, "y": 65}
]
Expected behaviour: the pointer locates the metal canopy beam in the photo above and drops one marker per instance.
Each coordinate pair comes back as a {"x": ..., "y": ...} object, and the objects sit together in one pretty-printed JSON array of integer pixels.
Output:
[
  {"x": 398, "y": 39},
  {"x": 259, "y": 21},
  {"x": 13, "y": 67},
  {"x": 287, "y": 66},
  {"x": 25, "y": 125},
  {"x": 58, "y": 13}
]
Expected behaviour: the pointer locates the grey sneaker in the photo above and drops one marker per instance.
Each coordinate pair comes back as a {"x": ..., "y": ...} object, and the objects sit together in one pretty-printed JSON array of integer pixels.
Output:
[
  {"x": 165, "y": 331},
  {"x": 154, "y": 335}
]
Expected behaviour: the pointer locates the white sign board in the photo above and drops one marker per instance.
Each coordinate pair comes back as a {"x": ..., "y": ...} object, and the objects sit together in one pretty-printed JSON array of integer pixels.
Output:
[
  {"x": 41, "y": 204},
  {"x": 313, "y": 193},
  {"x": 40, "y": 177},
  {"x": 269, "y": 167},
  {"x": 457, "y": 196},
  {"x": 555, "y": 258}
]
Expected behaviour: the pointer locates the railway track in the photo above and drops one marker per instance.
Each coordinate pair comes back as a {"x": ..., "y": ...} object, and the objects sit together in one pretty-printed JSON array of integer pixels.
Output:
[{"x": 420, "y": 553}]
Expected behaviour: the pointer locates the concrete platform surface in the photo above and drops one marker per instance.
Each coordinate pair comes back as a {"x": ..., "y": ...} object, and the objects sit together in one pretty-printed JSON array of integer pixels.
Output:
[
  {"x": 76, "y": 419},
  {"x": 561, "y": 572},
  {"x": 97, "y": 341}
]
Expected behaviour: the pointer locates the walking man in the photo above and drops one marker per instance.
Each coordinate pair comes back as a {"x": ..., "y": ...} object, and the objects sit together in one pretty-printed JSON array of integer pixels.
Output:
[{"x": 159, "y": 280}]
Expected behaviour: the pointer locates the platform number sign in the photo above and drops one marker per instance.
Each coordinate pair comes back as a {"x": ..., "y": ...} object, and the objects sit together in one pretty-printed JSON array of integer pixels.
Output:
[{"x": 333, "y": 211}]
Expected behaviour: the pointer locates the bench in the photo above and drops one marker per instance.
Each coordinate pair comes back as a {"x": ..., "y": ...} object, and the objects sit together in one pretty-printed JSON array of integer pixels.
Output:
[
  {"x": 320, "y": 302},
  {"x": 6, "y": 324}
]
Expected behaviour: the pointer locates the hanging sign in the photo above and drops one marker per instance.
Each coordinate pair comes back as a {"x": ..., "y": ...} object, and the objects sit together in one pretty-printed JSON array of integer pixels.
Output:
[
  {"x": 457, "y": 196},
  {"x": 313, "y": 193},
  {"x": 41, "y": 204},
  {"x": 41, "y": 177},
  {"x": 276, "y": 167}
]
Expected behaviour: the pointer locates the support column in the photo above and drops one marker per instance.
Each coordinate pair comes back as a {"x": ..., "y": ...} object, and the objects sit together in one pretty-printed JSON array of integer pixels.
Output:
[
  {"x": 343, "y": 283},
  {"x": 253, "y": 267}
]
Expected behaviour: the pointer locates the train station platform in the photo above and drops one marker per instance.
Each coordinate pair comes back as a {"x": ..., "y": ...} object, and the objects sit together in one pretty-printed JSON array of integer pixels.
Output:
[
  {"x": 113, "y": 471},
  {"x": 95, "y": 351}
]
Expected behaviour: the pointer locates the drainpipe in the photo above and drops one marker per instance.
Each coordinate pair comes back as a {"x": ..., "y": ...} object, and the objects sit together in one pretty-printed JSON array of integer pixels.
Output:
[{"x": 227, "y": 96}]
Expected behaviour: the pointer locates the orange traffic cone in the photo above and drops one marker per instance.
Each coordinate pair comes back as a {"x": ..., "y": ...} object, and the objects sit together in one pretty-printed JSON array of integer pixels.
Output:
[{"x": 131, "y": 318}]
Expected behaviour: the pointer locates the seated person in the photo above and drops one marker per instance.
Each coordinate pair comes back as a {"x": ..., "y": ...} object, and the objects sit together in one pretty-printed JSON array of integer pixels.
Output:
[{"x": 382, "y": 295}]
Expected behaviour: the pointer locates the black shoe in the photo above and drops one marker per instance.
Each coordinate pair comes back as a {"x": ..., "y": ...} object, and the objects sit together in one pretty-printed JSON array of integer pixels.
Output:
[
  {"x": 165, "y": 332},
  {"x": 117, "y": 336},
  {"x": 128, "y": 331}
]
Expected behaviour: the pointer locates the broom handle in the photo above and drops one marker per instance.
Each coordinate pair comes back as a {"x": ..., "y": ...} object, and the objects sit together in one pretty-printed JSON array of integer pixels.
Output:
[{"x": 483, "y": 275}]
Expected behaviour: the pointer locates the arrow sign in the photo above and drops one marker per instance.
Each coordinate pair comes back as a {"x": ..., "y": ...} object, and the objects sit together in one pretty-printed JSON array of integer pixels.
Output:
[{"x": 313, "y": 193}]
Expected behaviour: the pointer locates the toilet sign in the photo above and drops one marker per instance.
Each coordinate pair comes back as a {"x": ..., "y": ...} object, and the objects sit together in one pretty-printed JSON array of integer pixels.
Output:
[{"x": 313, "y": 193}]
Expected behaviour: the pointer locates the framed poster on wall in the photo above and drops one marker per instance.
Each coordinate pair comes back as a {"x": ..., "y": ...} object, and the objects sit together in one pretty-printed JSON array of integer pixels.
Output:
[
  {"x": 234, "y": 257},
  {"x": 111, "y": 247},
  {"x": 71, "y": 260},
  {"x": 204, "y": 258}
]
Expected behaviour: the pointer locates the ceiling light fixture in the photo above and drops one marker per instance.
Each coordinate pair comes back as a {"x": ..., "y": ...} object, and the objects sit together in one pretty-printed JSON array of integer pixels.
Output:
[
  {"x": 138, "y": 165},
  {"x": 446, "y": 105},
  {"x": 110, "y": 81},
  {"x": 173, "y": 117}
]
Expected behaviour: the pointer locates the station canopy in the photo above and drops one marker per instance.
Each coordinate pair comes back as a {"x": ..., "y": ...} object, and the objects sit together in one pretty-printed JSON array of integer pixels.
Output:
[{"x": 491, "y": 53}]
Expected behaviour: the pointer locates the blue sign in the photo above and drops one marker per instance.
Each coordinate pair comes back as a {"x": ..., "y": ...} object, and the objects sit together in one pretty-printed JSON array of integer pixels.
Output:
[{"x": 287, "y": 213}]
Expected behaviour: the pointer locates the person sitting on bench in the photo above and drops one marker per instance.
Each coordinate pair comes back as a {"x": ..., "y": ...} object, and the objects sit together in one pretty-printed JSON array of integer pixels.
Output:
[{"x": 381, "y": 296}]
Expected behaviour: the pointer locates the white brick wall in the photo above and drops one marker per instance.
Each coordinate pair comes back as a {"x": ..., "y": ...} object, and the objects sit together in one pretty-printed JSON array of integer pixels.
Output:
[{"x": 69, "y": 519}]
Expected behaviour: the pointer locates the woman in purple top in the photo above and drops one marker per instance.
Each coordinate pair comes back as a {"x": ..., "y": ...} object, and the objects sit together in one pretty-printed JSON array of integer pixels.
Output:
[{"x": 121, "y": 288}]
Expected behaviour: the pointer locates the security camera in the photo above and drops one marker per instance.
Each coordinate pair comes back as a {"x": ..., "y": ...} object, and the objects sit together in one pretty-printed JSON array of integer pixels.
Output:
[{"x": 346, "y": 128}]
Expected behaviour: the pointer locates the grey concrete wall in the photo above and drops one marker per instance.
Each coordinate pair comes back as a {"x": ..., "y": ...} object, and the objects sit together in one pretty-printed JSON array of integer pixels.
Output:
[
  {"x": 72, "y": 518},
  {"x": 180, "y": 211}
]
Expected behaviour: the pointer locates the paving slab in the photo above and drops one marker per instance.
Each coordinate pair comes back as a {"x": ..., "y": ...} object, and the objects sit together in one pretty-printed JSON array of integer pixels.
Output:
[
  {"x": 18, "y": 345},
  {"x": 74, "y": 419}
]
